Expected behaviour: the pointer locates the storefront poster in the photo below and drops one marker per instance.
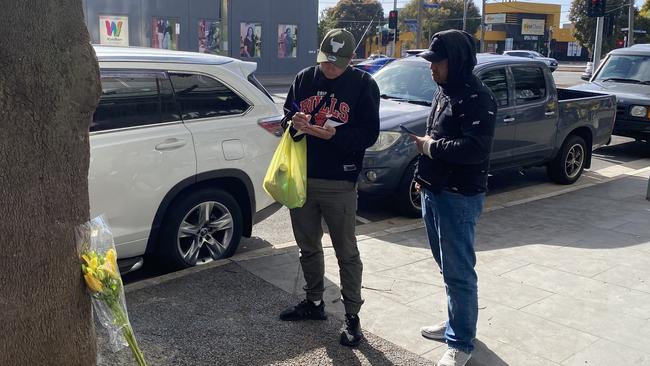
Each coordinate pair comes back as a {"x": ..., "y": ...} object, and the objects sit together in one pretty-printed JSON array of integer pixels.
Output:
[
  {"x": 508, "y": 45},
  {"x": 209, "y": 36},
  {"x": 573, "y": 49},
  {"x": 532, "y": 27},
  {"x": 165, "y": 33},
  {"x": 495, "y": 18},
  {"x": 114, "y": 30},
  {"x": 287, "y": 40},
  {"x": 250, "y": 40}
]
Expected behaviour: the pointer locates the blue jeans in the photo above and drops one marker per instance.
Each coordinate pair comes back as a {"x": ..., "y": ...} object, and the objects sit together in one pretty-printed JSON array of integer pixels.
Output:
[{"x": 450, "y": 219}]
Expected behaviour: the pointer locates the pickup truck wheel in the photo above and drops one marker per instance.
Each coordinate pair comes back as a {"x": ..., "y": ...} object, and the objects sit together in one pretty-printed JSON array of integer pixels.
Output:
[
  {"x": 568, "y": 165},
  {"x": 407, "y": 197},
  {"x": 204, "y": 225}
]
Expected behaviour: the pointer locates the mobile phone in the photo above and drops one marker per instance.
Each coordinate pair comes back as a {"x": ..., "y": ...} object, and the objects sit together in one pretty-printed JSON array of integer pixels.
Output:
[{"x": 407, "y": 130}]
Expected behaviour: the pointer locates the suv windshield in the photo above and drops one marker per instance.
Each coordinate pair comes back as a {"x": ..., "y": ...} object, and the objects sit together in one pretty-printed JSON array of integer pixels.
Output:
[
  {"x": 406, "y": 80},
  {"x": 626, "y": 68}
]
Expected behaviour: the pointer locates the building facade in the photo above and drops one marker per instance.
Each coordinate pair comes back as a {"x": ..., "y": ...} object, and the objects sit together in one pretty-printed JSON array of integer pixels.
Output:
[
  {"x": 514, "y": 25},
  {"x": 280, "y": 35}
]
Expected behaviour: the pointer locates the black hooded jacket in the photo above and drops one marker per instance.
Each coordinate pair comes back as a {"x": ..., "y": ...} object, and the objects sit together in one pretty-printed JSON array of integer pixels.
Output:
[{"x": 461, "y": 123}]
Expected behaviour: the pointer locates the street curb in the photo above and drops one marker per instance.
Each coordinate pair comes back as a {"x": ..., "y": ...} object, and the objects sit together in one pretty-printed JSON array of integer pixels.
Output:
[{"x": 380, "y": 229}]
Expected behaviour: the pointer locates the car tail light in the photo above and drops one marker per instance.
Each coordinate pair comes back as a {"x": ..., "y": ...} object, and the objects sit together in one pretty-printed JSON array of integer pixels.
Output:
[{"x": 272, "y": 124}]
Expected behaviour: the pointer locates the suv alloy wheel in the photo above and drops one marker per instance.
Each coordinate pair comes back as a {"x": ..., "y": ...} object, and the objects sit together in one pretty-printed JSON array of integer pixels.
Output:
[{"x": 202, "y": 226}]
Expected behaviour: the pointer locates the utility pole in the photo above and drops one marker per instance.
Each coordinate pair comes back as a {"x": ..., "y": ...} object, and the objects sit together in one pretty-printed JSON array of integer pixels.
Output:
[
  {"x": 464, "y": 14},
  {"x": 395, "y": 35},
  {"x": 418, "y": 34},
  {"x": 482, "y": 26},
  {"x": 630, "y": 24},
  {"x": 598, "y": 43}
]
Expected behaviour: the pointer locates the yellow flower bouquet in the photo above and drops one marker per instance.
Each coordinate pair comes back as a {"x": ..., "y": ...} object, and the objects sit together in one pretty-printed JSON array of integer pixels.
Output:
[{"x": 102, "y": 277}]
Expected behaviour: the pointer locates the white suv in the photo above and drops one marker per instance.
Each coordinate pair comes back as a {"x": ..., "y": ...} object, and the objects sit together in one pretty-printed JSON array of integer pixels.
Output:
[{"x": 180, "y": 143}]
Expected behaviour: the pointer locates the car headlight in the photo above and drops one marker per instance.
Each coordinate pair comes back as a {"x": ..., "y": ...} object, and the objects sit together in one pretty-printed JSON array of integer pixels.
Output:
[
  {"x": 385, "y": 140},
  {"x": 638, "y": 111}
]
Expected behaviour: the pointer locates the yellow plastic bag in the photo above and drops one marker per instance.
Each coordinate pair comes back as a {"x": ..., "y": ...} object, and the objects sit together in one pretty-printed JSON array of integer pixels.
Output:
[{"x": 286, "y": 177}]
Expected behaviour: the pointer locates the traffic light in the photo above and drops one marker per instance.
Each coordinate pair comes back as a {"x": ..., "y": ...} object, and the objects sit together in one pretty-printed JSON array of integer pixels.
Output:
[
  {"x": 609, "y": 26},
  {"x": 392, "y": 19},
  {"x": 596, "y": 8}
]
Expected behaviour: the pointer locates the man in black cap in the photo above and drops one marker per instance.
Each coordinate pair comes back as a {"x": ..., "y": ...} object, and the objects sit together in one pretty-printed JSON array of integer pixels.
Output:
[
  {"x": 336, "y": 108},
  {"x": 452, "y": 175}
]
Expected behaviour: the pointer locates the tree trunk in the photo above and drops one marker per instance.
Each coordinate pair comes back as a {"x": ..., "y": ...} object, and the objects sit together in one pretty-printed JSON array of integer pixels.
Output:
[{"x": 49, "y": 88}]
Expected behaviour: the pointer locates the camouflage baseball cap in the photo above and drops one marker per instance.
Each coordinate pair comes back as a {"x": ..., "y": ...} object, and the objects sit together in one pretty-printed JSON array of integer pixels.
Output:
[{"x": 337, "y": 47}]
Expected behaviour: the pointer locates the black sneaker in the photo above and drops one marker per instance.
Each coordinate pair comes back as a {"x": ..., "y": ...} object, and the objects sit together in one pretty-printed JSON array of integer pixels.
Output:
[
  {"x": 305, "y": 310},
  {"x": 351, "y": 333}
]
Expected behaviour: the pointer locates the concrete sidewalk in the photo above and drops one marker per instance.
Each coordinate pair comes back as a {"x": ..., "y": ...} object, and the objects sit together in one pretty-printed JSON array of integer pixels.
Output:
[{"x": 563, "y": 280}]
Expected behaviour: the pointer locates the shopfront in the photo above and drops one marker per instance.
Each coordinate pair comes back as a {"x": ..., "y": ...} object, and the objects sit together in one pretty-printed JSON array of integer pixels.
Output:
[
  {"x": 266, "y": 32},
  {"x": 530, "y": 26}
]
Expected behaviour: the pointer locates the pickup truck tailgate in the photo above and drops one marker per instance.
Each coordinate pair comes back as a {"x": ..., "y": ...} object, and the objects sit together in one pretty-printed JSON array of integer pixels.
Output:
[{"x": 581, "y": 108}]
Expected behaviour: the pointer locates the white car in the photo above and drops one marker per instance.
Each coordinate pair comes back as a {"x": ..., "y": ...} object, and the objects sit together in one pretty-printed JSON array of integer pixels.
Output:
[
  {"x": 551, "y": 62},
  {"x": 180, "y": 143}
]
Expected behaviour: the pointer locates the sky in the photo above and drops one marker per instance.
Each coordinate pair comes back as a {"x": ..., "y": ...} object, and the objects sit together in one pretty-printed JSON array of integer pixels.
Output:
[{"x": 388, "y": 5}]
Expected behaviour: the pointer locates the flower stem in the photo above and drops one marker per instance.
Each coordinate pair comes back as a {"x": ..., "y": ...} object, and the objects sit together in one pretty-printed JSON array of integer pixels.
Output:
[{"x": 123, "y": 321}]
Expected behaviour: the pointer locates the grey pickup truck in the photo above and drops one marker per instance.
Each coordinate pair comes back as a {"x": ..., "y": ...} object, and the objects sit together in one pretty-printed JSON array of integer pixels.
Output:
[{"x": 537, "y": 124}]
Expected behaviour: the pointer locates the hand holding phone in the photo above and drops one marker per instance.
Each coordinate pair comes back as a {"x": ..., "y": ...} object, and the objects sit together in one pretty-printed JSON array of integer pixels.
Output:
[{"x": 407, "y": 130}]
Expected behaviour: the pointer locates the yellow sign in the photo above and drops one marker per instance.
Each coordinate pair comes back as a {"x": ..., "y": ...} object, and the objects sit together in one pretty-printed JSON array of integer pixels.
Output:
[
  {"x": 532, "y": 27},
  {"x": 495, "y": 18}
]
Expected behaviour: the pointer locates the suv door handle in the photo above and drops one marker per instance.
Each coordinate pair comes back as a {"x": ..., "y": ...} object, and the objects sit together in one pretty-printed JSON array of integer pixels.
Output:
[
  {"x": 171, "y": 144},
  {"x": 549, "y": 113},
  {"x": 509, "y": 119}
]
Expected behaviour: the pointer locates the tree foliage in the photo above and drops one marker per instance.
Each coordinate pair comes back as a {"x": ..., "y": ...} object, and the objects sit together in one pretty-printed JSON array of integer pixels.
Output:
[
  {"x": 645, "y": 9},
  {"x": 448, "y": 16},
  {"x": 353, "y": 15},
  {"x": 586, "y": 27}
]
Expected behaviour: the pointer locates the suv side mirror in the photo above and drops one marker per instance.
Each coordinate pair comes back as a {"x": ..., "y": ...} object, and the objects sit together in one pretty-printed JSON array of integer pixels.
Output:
[{"x": 585, "y": 77}]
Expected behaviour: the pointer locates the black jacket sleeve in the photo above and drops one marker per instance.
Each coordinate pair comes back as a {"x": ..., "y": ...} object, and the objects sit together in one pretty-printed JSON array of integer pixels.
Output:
[
  {"x": 364, "y": 130},
  {"x": 477, "y": 127},
  {"x": 290, "y": 110}
]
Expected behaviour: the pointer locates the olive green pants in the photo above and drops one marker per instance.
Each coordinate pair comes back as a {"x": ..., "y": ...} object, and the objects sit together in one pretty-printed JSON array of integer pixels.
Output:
[{"x": 336, "y": 202}]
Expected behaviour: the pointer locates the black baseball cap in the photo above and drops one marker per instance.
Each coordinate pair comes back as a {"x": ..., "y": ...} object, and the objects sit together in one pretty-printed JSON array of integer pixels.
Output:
[{"x": 436, "y": 52}]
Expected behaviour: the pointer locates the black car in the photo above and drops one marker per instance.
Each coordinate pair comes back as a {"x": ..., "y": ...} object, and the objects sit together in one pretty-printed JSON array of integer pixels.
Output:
[
  {"x": 625, "y": 72},
  {"x": 537, "y": 124}
]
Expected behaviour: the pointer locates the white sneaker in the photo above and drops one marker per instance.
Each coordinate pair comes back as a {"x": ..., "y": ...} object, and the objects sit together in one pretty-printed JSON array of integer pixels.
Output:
[
  {"x": 435, "y": 332},
  {"x": 454, "y": 357}
]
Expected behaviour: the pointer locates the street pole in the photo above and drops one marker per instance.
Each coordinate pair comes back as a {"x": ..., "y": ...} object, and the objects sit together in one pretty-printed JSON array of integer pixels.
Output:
[
  {"x": 483, "y": 26},
  {"x": 394, "y": 50},
  {"x": 598, "y": 44},
  {"x": 550, "y": 36},
  {"x": 464, "y": 14},
  {"x": 418, "y": 34},
  {"x": 630, "y": 24}
]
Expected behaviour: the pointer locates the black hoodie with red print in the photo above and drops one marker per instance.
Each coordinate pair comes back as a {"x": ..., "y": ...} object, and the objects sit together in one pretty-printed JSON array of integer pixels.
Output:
[{"x": 352, "y": 99}]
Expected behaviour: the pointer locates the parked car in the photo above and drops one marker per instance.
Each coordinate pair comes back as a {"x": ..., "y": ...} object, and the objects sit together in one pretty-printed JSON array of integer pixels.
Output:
[
  {"x": 537, "y": 124},
  {"x": 586, "y": 75},
  {"x": 372, "y": 66},
  {"x": 180, "y": 143},
  {"x": 550, "y": 62},
  {"x": 625, "y": 72}
]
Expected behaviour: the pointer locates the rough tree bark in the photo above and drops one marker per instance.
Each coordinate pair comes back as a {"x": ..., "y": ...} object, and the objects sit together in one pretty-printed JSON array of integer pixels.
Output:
[{"x": 49, "y": 87}]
